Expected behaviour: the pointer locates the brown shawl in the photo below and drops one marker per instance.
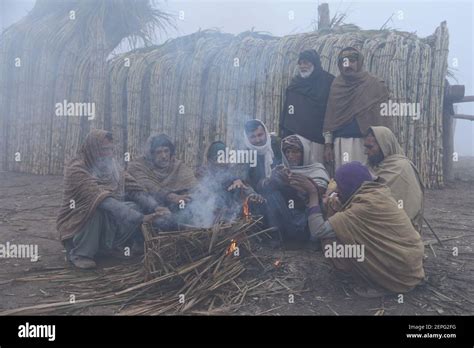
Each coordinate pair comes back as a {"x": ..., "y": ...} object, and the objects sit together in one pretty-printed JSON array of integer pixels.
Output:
[
  {"x": 86, "y": 187},
  {"x": 393, "y": 248},
  {"x": 400, "y": 175},
  {"x": 357, "y": 96},
  {"x": 175, "y": 178}
]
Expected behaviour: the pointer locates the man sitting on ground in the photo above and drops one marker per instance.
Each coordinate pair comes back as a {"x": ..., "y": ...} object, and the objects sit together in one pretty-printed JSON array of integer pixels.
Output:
[
  {"x": 94, "y": 216},
  {"x": 286, "y": 203},
  {"x": 222, "y": 181},
  {"x": 162, "y": 175},
  {"x": 388, "y": 162},
  {"x": 369, "y": 219},
  {"x": 258, "y": 139}
]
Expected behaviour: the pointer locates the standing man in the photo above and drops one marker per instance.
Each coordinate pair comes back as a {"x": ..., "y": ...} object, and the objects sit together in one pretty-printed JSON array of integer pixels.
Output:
[
  {"x": 305, "y": 104},
  {"x": 354, "y": 105}
]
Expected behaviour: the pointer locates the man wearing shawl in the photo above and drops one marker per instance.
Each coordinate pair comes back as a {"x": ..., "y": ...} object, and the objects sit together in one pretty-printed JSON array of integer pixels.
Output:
[
  {"x": 354, "y": 105},
  {"x": 286, "y": 203},
  {"x": 224, "y": 182},
  {"x": 369, "y": 219},
  {"x": 161, "y": 174},
  {"x": 305, "y": 103},
  {"x": 258, "y": 139},
  {"x": 94, "y": 217},
  {"x": 388, "y": 162}
]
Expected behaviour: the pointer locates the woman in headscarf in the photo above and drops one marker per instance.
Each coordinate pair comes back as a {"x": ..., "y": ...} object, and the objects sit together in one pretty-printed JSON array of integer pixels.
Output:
[{"x": 369, "y": 218}]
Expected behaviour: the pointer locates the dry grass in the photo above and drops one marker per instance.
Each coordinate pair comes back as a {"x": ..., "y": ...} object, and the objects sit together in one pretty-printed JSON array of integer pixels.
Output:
[{"x": 184, "y": 272}]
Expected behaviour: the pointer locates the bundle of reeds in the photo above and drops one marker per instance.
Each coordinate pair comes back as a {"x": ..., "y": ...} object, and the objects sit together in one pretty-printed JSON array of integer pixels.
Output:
[
  {"x": 196, "y": 88},
  {"x": 59, "y": 52},
  {"x": 219, "y": 81},
  {"x": 201, "y": 271}
]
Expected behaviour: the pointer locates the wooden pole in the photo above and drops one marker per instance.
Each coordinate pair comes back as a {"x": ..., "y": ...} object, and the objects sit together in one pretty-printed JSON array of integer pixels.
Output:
[
  {"x": 466, "y": 99},
  {"x": 323, "y": 14},
  {"x": 448, "y": 140},
  {"x": 454, "y": 93},
  {"x": 463, "y": 117}
]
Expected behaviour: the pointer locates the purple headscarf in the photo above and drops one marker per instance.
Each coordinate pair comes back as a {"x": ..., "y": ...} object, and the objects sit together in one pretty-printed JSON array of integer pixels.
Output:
[{"x": 349, "y": 177}]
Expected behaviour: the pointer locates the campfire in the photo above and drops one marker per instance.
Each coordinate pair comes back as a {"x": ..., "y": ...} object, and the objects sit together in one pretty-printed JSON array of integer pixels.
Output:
[
  {"x": 246, "y": 210},
  {"x": 185, "y": 271},
  {"x": 232, "y": 247}
]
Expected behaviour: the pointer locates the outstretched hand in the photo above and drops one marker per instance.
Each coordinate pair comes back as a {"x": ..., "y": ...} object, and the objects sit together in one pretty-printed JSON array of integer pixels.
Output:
[
  {"x": 255, "y": 197},
  {"x": 236, "y": 184},
  {"x": 303, "y": 184},
  {"x": 159, "y": 212}
]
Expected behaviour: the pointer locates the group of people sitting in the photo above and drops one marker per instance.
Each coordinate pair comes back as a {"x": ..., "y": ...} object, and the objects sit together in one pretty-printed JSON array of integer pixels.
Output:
[{"x": 311, "y": 184}]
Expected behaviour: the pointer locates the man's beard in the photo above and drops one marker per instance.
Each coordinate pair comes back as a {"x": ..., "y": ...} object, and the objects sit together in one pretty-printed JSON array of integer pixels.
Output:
[
  {"x": 162, "y": 164},
  {"x": 107, "y": 167},
  {"x": 375, "y": 159},
  {"x": 307, "y": 74}
]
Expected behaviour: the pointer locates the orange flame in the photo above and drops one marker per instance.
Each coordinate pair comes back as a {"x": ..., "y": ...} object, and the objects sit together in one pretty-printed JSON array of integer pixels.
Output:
[
  {"x": 246, "y": 210},
  {"x": 232, "y": 247}
]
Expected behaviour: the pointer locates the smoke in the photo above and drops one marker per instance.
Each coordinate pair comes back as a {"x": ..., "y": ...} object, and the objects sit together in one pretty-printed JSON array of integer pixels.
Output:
[
  {"x": 107, "y": 168},
  {"x": 211, "y": 202}
]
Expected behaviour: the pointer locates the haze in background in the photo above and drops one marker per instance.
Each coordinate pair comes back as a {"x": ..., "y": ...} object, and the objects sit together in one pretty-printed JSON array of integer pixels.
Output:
[{"x": 273, "y": 17}]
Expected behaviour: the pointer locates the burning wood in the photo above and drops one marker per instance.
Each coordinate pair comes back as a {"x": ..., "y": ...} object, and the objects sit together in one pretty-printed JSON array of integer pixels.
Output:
[
  {"x": 232, "y": 247},
  {"x": 246, "y": 209},
  {"x": 185, "y": 272}
]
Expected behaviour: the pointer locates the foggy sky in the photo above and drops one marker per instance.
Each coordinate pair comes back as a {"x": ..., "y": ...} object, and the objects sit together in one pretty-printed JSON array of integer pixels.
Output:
[{"x": 420, "y": 17}]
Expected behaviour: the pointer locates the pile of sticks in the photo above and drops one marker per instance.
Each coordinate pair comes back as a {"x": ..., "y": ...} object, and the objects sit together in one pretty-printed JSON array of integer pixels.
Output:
[{"x": 195, "y": 271}]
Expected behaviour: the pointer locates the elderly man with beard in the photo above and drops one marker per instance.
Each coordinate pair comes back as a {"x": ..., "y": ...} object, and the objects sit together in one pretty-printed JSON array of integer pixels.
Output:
[
  {"x": 387, "y": 160},
  {"x": 305, "y": 104},
  {"x": 95, "y": 216},
  {"x": 354, "y": 104},
  {"x": 162, "y": 175}
]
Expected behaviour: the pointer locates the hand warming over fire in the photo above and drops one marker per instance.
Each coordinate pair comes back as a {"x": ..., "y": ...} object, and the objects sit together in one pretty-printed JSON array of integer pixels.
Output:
[
  {"x": 176, "y": 199},
  {"x": 255, "y": 197},
  {"x": 159, "y": 212},
  {"x": 236, "y": 184}
]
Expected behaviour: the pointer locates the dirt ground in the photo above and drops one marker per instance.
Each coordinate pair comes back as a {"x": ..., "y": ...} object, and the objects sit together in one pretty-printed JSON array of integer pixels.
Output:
[{"x": 28, "y": 206}]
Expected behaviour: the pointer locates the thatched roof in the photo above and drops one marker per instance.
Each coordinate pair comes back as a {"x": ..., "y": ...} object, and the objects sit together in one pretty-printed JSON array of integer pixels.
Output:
[
  {"x": 198, "y": 72},
  {"x": 59, "y": 51}
]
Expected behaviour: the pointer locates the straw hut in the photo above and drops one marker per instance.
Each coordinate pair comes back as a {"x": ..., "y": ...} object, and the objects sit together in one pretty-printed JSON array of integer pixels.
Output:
[
  {"x": 58, "y": 53},
  {"x": 202, "y": 87}
]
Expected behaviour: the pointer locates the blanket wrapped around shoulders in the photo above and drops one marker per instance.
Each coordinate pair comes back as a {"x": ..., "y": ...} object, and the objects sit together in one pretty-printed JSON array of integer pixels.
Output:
[
  {"x": 393, "y": 248},
  {"x": 177, "y": 177},
  {"x": 85, "y": 188}
]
